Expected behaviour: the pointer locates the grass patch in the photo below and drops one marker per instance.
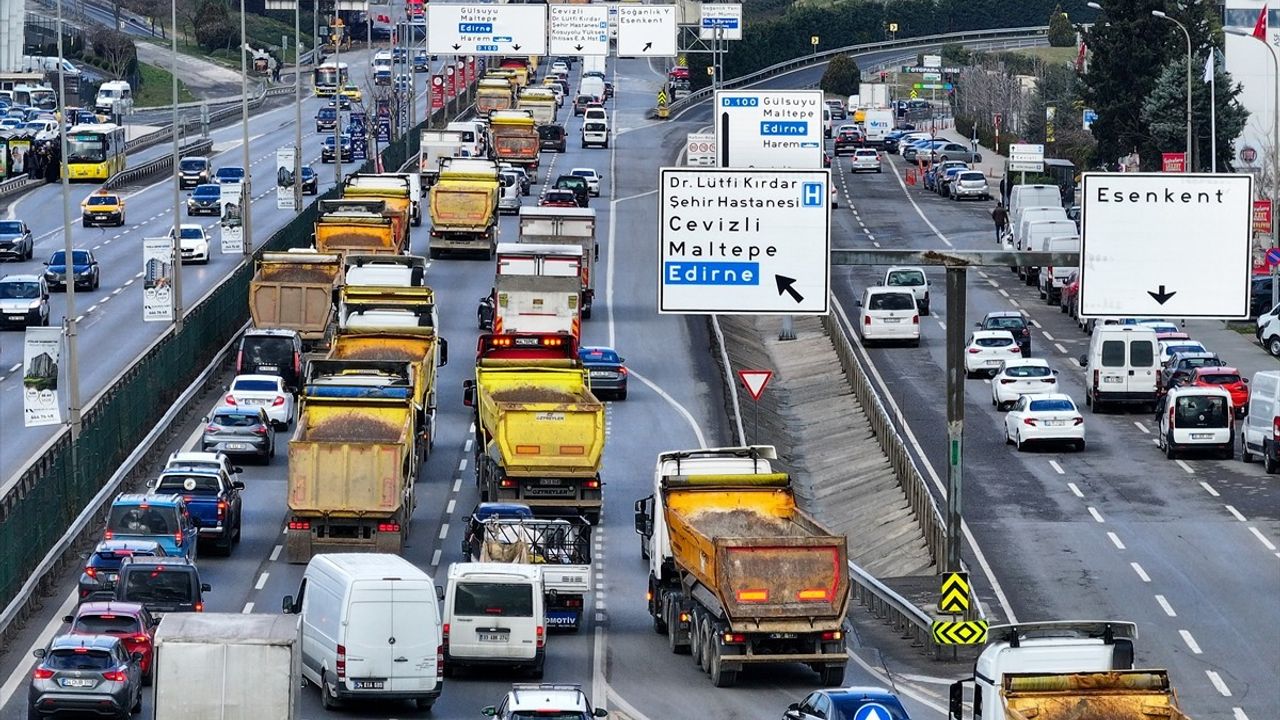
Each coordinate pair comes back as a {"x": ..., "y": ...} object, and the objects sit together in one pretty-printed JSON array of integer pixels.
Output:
[
  {"x": 157, "y": 88},
  {"x": 1050, "y": 55}
]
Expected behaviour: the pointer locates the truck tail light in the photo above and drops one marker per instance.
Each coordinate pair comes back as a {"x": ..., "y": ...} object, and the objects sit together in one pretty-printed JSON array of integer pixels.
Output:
[
  {"x": 542, "y": 636},
  {"x": 239, "y": 361},
  {"x": 753, "y": 596},
  {"x": 832, "y": 636},
  {"x": 107, "y": 535},
  {"x": 389, "y": 527},
  {"x": 1275, "y": 429},
  {"x": 177, "y": 538},
  {"x": 731, "y": 638},
  {"x": 866, "y": 319},
  {"x": 1097, "y": 375},
  {"x": 222, "y": 508},
  {"x": 591, "y": 484},
  {"x": 299, "y": 525},
  {"x": 506, "y": 483},
  {"x": 199, "y": 607},
  {"x": 340, "y": 665},
  {"x": 814, "y": 594}
]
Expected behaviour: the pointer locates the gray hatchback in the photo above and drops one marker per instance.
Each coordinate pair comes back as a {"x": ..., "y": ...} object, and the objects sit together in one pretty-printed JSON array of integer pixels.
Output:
[
  {"x": 240, "y": 431},
  {"x": 86, "y": 673}
]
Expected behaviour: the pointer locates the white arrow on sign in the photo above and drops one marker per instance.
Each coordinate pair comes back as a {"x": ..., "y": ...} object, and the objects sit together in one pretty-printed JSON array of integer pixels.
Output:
[
  {"x": 486, "y": 29},
  {"x": 755, "y": 381},
  {"x": 578, "y": 30},
  {"x": 647, "y": 30}
]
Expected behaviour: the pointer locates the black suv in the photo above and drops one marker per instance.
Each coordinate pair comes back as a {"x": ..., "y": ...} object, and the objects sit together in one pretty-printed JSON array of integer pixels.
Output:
[
  {"x": 271, "y": 351},
  {"x": 551, "y": 137},
  {"x": 161, "y": 584},
  {"x": 193, "y": 171},
  {"x": 848, "y": 140},
  {"x": 578, "y": 185},
  {"x": 326, "y": 119},
  {"x": 1013, "y": 321}
]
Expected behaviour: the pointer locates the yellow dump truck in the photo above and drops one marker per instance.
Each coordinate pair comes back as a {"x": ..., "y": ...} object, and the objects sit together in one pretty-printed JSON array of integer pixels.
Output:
[
  {"x": 1064, "y": 670},
  {"x": 539, "y": 101},
  {"x": 738, "y": 574},
  {"x": 402, "y": 191},
  {"x": 539, "y": 430},
  {"x": 513, "y": 135},
  {"x": 464, "y": 211},
  {"x": 493, "y": 94},
  {"x": 360, "y": 226},
  {"x": 294, "y": 290},
  {"x": 353, "y": 460}
]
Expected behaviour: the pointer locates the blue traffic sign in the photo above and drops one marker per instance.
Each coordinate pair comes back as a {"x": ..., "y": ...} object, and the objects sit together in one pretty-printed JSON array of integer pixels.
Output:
[
  {"x": 475, "y": 28},
  {"x": 1273, "y": 256},
  {"x": 873, "y": 711},
  {"x": 725, "y": 23}
]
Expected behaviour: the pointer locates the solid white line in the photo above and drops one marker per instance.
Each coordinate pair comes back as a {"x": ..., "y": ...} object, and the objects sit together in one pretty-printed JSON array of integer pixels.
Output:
[
  {"x": 1185, "y": 466},
  {"x": 1075, "y": 490},
  {"x": 248, "y": 608},
  {"x": 1164, "y": 605},
  {"x": 1235, "y": 512},
  {"x": 1057, "y": 468},
  {"x": 262, "y": 581},
  {"x": 448, "y": 509},
  {"x": 919, "y": 212},
  {"x": 1115, "y": 540},
  {"x": 444, "y": 531},
  {"x": 1216, "y": 679},
  {"x": 693, "y": 423},
  {"x": 1096, "y": 515},
  {"x": 457, "y": 485},
  {"x": 275, "y": 552},
  {"x": 1190, "y": 641},
  {"x": 1208, "y": 488},
  {"x": 22, "y": 673},
  {"x": 435, "y": 558},
  {"x": 1141, "y": 427},
  {"x": 1262, "y": 538},
  {"x": 1141, "y": 573}
]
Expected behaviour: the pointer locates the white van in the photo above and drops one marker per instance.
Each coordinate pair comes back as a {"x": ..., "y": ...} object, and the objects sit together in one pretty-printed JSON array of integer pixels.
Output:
[
  {"x": 889, "y": 313},
  {"x": 827, "y": 121},
  {"x": 474, "y": 141},
  {"x": 595, "y": 130},
  {"x": 1036, "y": 233},
  {"x": 509, "y": 198},
  {"x": 115, "y": 97},
  {"x": 1196, "y": 418},
  {"x": 1121, "y": 366},
  {"x": 1018, "y": 223},
  {"x": 494, "y": 615},
  {"x": 1053, "y": 279},
  {"x": 1260, "y": 429},
  {"x": 370, "y": 629},
  {"x": 1025, "y": 196}
]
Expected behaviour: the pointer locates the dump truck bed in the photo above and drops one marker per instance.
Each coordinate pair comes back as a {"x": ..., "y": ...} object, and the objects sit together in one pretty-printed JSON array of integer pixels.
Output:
[
  {"x": 294, "y": 291},
  {"x": 463, "y": 204},
  {"x": 366, "y": 235},
  {"x": 544, "y": 420},
  {"x": 419, "y": 350},
  {"x": 765, "y": 560},
  {"x": 1115, "y": 695},
  {"x": 349, "y": 457}
]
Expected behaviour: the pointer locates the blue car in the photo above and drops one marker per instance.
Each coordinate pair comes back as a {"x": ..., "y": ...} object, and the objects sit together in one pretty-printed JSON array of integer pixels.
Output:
[
  {"x": 205, "y": 200},
  {"x": 162, "y": 518},
  {"x": 848, "y": 704},
  {"x": 84, "y": 270},
  {"x": 607, "y": 371},
  {"x": 310, "y": 183},
  {"x": 229, "y": 175}
]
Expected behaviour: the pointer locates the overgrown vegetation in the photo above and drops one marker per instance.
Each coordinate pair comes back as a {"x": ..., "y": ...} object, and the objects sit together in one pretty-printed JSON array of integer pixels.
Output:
[
  {"x": 1061, "y": 34},
  {"x": 157, "y": 88},
  {"x": 841, "y": 77}
]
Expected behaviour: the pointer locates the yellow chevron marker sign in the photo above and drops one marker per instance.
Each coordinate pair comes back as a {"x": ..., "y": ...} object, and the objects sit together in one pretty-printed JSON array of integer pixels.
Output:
[
  {"x": 955, "y": 593},
  {"x": 662, "y": 97},
  {"x": 959, "y": 632}
]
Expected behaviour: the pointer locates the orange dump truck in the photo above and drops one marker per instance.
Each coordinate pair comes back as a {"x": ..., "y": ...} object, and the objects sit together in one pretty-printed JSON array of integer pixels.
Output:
[
  {"x": 360, "y": 226},
  {"x": 294, "y": 290},
  {"x": 513, "y": 135}
]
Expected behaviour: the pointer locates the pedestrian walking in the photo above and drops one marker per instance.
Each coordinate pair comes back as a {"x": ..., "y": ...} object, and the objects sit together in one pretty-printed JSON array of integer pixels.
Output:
[{"x": 1001, "y": 218}]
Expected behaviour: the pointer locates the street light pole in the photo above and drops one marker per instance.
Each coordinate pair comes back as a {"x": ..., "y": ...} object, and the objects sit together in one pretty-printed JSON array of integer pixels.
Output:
[
  {"x": 176, "y": 248},
  {"x": 246, "y": 189},
  {"x": 297, "y": 106},
  {"x": 1275, "y": 158},
  {"x": 1162, "y": 15},
  {"x": 69, "y": 276}
]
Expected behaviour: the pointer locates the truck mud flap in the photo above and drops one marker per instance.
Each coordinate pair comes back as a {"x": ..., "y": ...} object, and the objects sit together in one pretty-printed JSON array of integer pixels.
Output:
[{"x": 298, "y": 546}]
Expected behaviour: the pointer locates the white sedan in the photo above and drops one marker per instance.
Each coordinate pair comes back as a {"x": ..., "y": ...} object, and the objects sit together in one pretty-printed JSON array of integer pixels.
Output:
[
  {"x": 592, "y": 177},
  {"x": 262, "y": 391},
  {"x": 1044, "y": 418},
  {"x": 1023, "y": 376},
  {"x": 193, "y": 244},
  {"x": 865, "y": 159},
  {"x": 988, "y": 350}
]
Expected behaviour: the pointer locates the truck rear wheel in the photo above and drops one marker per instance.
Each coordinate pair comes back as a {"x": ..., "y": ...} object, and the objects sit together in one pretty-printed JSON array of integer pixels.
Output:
[
  {"x": 831, "y": 674},
  {"x": 695, "y": 637},
  {"x": 720, "y": 676},
  {"x": 707, "y": 636},
  {"x": 673, "y": 628}
]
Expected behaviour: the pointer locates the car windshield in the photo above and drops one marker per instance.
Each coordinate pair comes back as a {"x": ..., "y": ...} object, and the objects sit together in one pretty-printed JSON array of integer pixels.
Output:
[
  {"x": 107, "y": 624},
  {"x": 892, "y": 301},
  {"x": 1220, "y": 378},
  {"x": 594, "y": 127},
  {"x": 992, "y": 342},
  {"x": 143, "y": 520},
  {"x": 157, "y": 583},
  {"x": 79, "y": 257},
  {"x": 1051, "y": 406},
  {"x": 548, "y": 715},
  {"x": 1200, "y": 362},
  {"x": 598, "y": 355},
  {"x": 10, "y": 228},
  {"x": 1175, "y": 349},
  {"x": 79, "y": 659},
  {"x": 1004, "y": 323},
  {"x": 103, "y": 200},
  {"x": 188, "y": 483},
  {"x": 972, "y": 176},
  {"x": 19, "y": 289},
  {"x": 1201, "y": 411},
  {"x": 255, "y": 386},
  {"x": 1028, "y": 371},
  {"x": 476, "y": 599},
  {"x": 193, "y": 165},
  {"x": 231, "y": 173},
  {"x": 584, "y": 173},
  {"x": 905, "y": 278},
  {"x": 111, "y": 559},
  {"x": 192, "y": 233},
  {"x": 208, "y": 191},
  {"x": 846, "y": 708},
  {"x": 265, "y": 350},
  {"x": 235, "y": 419}
]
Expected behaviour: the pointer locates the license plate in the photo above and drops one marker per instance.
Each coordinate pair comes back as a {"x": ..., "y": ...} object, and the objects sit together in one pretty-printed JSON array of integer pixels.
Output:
[
  {"x": 15, "y": 317},
  {"x": 267, "y": 368},
  {"x": 549, "y": 482},
  {"x": 782, "y": 636},
  {"x": 601, "y": 374},
  {"x": 1055, "y": 423},
  {"x": 492, "y": 637},
  {"x": 237, "y": 446},
  {"x": 369, "y": 684},
  {"x": 252, "y": 401},
  {"x": 110, "y": 577},
  {"x": 893, "y": 320},
  {"x": 1112, "y": 380},
  {"x": 77, "y": 682},
  {"x": 994, "y": 362},
  {"x": 101, "y": 217},
  {"x": 1201, "y": 436}
]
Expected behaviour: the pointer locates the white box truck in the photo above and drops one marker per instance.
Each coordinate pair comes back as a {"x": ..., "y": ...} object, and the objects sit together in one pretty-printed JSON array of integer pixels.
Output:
[
  {"x": 566, "y": 226},
  {"x": 227, "y": 666}
]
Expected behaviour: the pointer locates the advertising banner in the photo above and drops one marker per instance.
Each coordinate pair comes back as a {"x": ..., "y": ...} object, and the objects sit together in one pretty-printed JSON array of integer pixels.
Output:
[
  {"x": 41, "y": 365},
  {"x": 384, "y": 120},
  {"x": 231, "y": 225},
  {"x": 359, "y": 136},
  {"x": 437, "y": 92},
  {"x": 157, "y": 279},
  {"x": 450, "y": 87},
  {"x": 1262, "y": 217},
  {"x": 286, "y": 177},
  {"x": 4, "y": 158},
  {"x": 1173, "y": 162},
  {"x": 18, "y": 149}
]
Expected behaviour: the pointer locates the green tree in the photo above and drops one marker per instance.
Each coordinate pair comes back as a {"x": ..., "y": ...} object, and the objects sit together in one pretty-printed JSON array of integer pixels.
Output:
[
  {"x": 214, "y": 28},
  {"x": 1165, "y": 112},
  {"x": 1061, "y": 34},
  {"x": 842, "y": 77}
]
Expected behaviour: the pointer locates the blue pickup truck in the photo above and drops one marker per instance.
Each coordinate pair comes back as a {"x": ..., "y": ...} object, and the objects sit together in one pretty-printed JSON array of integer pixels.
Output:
[{"x": 211, "y": 498}]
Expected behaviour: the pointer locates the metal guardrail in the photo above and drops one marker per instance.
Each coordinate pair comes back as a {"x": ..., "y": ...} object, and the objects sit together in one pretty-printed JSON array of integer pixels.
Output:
[
  {"x": 818, "y": 58},
  {"x": 230, "y": 108},
  {"x": 909, "y": 621},
  {"x": 17, "y": 184}
]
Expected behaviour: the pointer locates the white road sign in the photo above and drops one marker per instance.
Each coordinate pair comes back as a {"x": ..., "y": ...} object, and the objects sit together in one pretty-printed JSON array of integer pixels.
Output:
[
  {"x": 1166, "y": 245},
  {"x": 932, "y": 60},
  {"x": 646, "y": 30},
  {"x": 701, "y": 150},
  {"x": 722, "y": 20},
  {"x": 486, "y": 29},
  {"x": 1026, "y": 157},
  {"x": 744, "y": 241},
  {"x": 578, "y": 30},
  {"x": 769, "y": 128}
]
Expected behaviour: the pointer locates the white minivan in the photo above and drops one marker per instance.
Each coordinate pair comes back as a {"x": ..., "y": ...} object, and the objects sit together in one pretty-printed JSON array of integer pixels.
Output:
[
  {"x": 494, "y": 614},
  {"x": 1052, "y": 279},
  {"x": 1025, "y": 196},
  {"x": 1037, "y": 232},
  {"x": 1197, "y": 418},
  {"x": 889, "y": 314},
  {"x": 1121, "y": 366},
  {"x": 1260, "y": 429},
  {"x": 370, "y": 629}
]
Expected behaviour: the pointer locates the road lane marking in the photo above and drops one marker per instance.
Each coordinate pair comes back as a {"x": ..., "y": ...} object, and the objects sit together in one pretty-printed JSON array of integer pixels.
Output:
[
  {"x": 1239, "y": 714},
  {"x": 1014, "y": 303},
  {"x": 1045, "y": 333},
  {"x": 448, "y": 509},
  {"x": 248, "y": 608},
  {"x": 1209, "y": 488},
  {"x": 1262, "y": 538},
  {"x": 1164, "y": 605},
  {"x": 1141, "y": 427},
  {"x": 1058, "y": 469},
  {"x": 462, "y": 464},
  {"x": 275, "y": 552},
  {"x": 262, "y": 581},
  {"x": 467, "y": 447},
  {"x": 1004, "y": 292},
  {"x": 1060, "y": 348},
  {"x": 1190, "y": 641},
  {"x": 1186, "y": 467},
  {"x": 1115, "y": 540},
  {"x": 1075, "y": 490},
  {"x": 444, "y": 531},
  {"x": 457, "y": 484},
  {"x": 1236, "y": 513},
  {"x": 435, "y": 558},
  {"x": 919, "y": 212},
  {"x": 1096, "y": 515},
  {"x": 1216, "y": 679},
  {"x": 1141, "y": 573},
  {"x": 21, "y": 675},
  {"x": 942, "y": 325}
]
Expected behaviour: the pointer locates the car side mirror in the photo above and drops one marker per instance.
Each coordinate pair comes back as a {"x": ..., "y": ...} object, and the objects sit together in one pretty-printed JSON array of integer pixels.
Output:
[
  {"x": 39, "y": 653},
  {"x": 1055, "y": 372},
  {"x": 444, "y": 352},
  {"x": 135, "y": 657},
  {"x": 68, "y": 618},
  {"x": 977, "y": 157},
  {"x": 600, "y": 712},
  {"x": 469, "y": 392},
  {"x": 206, "y": 587},
  {"x": 489, "y": 711},
  {"x": 237, "y": 469},
  {"x": 978, "y": 325},
  {"x": 794, "y": 706},
  {"x": 239, "y": 484},
  {"x": 1244, "y": 380},
  {"x": 857, "y": 303},
  {"x": 286, "y": 605},
  {"x": 1083, "y": 360}
]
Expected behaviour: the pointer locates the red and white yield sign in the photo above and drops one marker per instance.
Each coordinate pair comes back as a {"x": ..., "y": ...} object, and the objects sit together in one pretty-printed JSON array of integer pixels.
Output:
[{"x": 755, "y": 381}]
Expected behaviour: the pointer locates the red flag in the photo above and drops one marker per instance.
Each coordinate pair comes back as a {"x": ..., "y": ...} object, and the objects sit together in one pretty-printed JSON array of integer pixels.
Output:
[
  {"x": 1260, "y": 27},
  {"x": 1080, "y": 57}
]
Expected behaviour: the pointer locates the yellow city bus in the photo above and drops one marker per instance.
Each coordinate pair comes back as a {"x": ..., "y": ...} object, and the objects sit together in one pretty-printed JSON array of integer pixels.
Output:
[
  {"x": 95, "y": 152},
  {"x": 327, "y": 78}
]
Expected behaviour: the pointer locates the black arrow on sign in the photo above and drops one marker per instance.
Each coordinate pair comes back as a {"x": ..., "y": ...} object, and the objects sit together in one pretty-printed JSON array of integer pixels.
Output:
[
  {"x": 646, "y": 47},
  {"x": 785, "y": 284},
  {"x": 578, "y": 48},
  {"x": 1162, "y": 297},
  {"x": 724, "y": 139},
  {"x": 457, "y": 47},
  {"x": 516, "y": 47}
]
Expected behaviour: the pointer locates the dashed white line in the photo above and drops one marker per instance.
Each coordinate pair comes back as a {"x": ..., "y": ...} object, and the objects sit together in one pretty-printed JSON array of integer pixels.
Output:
[
  {"x": 1004, "y": 292},
  {"x": 457, "y": 484},
  {"x": 117, "y": 291},
  {"x": 1075, "y": 490},
  {"x": 942, "y": 324},
  {"x": 1216, "y": 679},
  {"x": 1060, "y": 348},
  {"x": 1190, "y": 641},
  {"x": 1142, "y": 574},
  {"x": 875, "y": 243},
  {"x": 1096, "y": 515},
  {"x": 462, "y": 464},
  {"x": 983, "y": 274},
  {"x": 1262, "y": 538},
  {"x": 262, "y": 581},
  {"x": 1235, "y": 513},
  {"x": 15, "y": 368},
  {"x": 1209, "y": 488},
  {"x": 1046, "y": 335},
  {"x": 448, "y": 509},
  {"x": 993, "y": 283},
  {"x": 1014, "y": 303},
  {"x": 444, "y": 531},
  {"x": 1186, "y": 467},
  {"x": 1141, "y": 427},
  {"x": 80, "y": 318},
  {"x": 1035, "y": 324},
  {"x": 1239, "y": 714},
  {"x": 248, "y": 608},
  {"x": 467, "y": 446},
  {"x": 275, "y": 552},
  {"x": 1058, "y": 469},
  {"x": 1115, "y": 540},
  {"x": 1164, "y": 605},
  {"x": 435, "y": 558}
]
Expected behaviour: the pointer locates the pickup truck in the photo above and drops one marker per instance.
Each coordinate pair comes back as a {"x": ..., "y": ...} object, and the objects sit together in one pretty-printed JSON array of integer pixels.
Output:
[{"x": 211, "y": 498}]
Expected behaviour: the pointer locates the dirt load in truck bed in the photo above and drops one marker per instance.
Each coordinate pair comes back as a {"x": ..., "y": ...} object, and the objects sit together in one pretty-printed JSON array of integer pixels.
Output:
[
  {"x": 351, "y": 427},
  {"x": 377, "y": 353},
  {"x": 743, "y": 524},
  {"x": 352, "y": 239},
  {"x": 295, "y": 274},
  {"x": 540, "y": 395}
]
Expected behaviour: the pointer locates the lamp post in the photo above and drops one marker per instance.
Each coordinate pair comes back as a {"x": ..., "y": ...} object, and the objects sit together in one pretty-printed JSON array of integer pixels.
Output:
[
  {"x": 1275, "y": 155},
  {"x": 246, "y": 190},
  {"x": 1163, "y": 16},
  {"x": 177, "y": 193},
  {"x": 69, "y": 269}
]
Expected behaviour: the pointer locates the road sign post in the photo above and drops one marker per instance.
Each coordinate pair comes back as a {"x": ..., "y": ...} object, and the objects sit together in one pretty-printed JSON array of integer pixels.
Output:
[
  {"x": 755, "y": 381},
  {"x": 744, "y": 241}
]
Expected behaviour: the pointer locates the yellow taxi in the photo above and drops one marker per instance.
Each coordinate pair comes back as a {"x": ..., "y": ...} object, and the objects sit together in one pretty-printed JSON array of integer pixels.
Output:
[
  {"x": 352, "y": 93},
  {"x": 102, "y": 208}
]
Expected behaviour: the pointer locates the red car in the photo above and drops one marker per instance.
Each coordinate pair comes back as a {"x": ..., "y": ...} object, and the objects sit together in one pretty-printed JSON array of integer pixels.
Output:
[
  {"x": 1070, "y": 290},
  {"x": 128, "y": 621},
  {"x": 1227, "y": 378},
  {"x": 678, "y": 73},
  {"x": 559, "y": 198}
]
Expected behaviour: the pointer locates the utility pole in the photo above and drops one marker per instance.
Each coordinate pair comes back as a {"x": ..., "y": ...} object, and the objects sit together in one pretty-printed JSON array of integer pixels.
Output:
[
  {"x": 69, "y": 277},
  {"x": 176, "y": 245}
]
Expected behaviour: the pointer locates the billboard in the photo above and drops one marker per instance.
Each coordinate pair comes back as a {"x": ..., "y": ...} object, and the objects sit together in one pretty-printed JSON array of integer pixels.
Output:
[
  {"x": 231, "y": 224},
  {"x": 157, "y": 279},
  {"x": 287, "y": 178},
  {"x": 41, "y": 364}
]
